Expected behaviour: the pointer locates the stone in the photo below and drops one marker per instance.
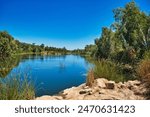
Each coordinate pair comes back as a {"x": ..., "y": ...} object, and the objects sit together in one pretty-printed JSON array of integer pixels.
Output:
[
  {"x": 102, "y": 90},
  {"x": 83, "y": 92},
  {"x": 101, "y": 82},
  {"x": 110, "y": 85},
  {"x": 49, "y": 98}
]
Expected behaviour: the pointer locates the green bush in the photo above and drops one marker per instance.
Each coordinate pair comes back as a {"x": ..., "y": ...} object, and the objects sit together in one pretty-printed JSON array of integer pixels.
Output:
[
  {"x": 109, "y": 70},
  {"x": 16, "y": 88},
  {"x": 147, "y": 54}
]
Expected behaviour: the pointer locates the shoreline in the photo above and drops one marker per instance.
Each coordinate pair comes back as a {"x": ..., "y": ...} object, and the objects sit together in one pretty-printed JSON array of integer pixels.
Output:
[{"x": 102, "y": 89}]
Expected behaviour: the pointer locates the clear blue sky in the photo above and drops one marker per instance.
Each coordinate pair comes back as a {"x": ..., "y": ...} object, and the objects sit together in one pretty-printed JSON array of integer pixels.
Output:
[{"x": 69, "y": 23}]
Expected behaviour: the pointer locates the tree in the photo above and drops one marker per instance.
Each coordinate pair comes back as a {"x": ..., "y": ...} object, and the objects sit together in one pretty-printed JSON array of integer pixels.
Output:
[
  {"x": 132, "y": 25},
  {"x": 8, "y": 45},
  {"x": 104, "y": 43}
]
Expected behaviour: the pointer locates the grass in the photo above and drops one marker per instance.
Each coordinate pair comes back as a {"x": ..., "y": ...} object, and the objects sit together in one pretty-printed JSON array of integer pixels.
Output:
[
  {"x": 16, "y": 88},
  {"x": 109, "y": 70},
  {"x": 143, "y": 71},
  {"x": 90, "y": 78}
]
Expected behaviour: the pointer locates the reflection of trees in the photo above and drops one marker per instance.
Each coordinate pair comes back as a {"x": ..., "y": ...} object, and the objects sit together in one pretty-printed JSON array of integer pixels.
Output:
[{"x": 7, "y": 64}]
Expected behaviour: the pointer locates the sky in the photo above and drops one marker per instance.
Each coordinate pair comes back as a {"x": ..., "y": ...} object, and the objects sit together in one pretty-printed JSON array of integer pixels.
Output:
[{"x": 60, "y": 23}]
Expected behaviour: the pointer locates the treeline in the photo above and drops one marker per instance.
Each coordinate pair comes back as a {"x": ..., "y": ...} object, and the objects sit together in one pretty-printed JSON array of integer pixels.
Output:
[
  {"x": 122, "y": 52},
  {"x": 127, "y": 39},
  {"x": 10, "y": 46}
]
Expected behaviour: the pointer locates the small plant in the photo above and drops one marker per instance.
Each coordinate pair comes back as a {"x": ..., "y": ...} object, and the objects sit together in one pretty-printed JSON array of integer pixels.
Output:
[
  {"x": 90, "y": 78},
  {"x": 16, "y": 88}
]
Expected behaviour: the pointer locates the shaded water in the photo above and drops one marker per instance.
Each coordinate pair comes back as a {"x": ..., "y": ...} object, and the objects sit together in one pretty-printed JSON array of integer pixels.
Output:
[{"x": 51, "y": 74}]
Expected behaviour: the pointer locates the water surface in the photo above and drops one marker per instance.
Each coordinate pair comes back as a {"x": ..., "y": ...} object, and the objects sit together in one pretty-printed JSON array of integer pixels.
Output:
[{"x": 51, "y": 74}]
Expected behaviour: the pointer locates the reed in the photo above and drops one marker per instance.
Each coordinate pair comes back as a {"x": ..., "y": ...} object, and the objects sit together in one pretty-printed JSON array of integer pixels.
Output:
[{"x": 16, "y": 88}]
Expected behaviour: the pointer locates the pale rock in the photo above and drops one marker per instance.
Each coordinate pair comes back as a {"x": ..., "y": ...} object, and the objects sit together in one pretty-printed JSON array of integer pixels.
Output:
[
  {"x": 101, "y": 82},
  {"x": 102, "y": 89}
]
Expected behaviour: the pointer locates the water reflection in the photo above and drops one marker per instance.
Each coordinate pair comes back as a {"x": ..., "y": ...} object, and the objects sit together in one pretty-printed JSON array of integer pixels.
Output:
[
  {"x": 51, "y": 74},
  {"x": 7, "y": 64}
]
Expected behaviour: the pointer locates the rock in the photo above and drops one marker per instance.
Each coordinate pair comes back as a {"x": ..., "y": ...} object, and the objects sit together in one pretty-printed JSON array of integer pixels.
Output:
[
  {"x": 89, "y": 90},
  {"x": 83, "y": 92},
  {"x": 86, "y": 87},
  {"x": 49, "y": 98},
  {"x": 102, "y": 89},
  {"x": 123, "y": 86},
  {"x": 110, "y": 85},
  {"x": 101, "y": 82}
]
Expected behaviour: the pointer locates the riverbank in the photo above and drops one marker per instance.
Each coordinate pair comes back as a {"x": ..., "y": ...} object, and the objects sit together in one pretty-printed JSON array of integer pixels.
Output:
[{"x": 102, "y": 89}]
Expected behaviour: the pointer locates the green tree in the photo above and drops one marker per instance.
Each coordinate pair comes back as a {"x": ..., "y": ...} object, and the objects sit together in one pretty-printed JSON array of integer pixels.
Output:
[{"x": 104, "y": 44}]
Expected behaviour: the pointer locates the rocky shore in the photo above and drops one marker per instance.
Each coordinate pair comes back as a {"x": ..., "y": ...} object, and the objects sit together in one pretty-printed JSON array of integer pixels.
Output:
[{"x": 102, "y": 89}]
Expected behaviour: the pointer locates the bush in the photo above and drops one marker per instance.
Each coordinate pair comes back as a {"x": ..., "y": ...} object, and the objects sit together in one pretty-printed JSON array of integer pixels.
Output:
[
  {"x": 143, "y": 70},
  {"x": 16, "y": 88},
  {"x": 107, "y": 69},
  {"x": 127, "y": 56},
  {"x": 147, "y": 55}
]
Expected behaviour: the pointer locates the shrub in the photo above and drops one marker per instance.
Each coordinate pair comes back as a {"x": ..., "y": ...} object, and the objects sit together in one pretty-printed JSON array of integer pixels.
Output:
[
  {"x": 127, "y": 56},
  {"x": 143, "y": 70},
  {"x": 90, "y": 78},
  {"x": 16, "y": 88},
  {"x": 107, "y": 69},
  {"x": 147, "y": 55}
]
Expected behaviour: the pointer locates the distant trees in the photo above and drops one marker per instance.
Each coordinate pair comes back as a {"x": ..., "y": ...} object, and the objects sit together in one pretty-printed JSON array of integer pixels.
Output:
[{"x": 10, "y": 46}]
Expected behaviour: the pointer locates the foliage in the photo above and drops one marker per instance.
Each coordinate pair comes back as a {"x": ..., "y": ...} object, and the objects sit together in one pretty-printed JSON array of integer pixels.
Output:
[
  {"x": 143, "y": 70},
  {"x": 127, "y": 38},
  {"x": 16, "y": 88},
  {"x": 10, "y": 46},
  {"x": 147, "y": 54},
  {"x": 7, "y": 44},
  {"x": 107, "y": 69},
  {"x": 78, "y": 52}
]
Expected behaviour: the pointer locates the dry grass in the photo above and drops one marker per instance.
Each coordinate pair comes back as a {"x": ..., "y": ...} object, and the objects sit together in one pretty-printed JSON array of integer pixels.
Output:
[
  {"x": 143, "y": 70},
  {"x": 90, "y": 78},
  {"x": 16, "y": 88}
]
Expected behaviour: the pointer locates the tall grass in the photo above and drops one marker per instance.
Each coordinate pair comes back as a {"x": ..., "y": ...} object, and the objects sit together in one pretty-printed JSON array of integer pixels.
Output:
[
  {"x": 90, "y": 78},
  {"x": 107, "y": 69},
  {"x": 16, "y": 88},
  {"x": 143, "y": 71}
]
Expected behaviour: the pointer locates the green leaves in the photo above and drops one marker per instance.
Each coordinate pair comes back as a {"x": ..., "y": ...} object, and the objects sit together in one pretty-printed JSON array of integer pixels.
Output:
[{"x": 131, "y": 29}]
